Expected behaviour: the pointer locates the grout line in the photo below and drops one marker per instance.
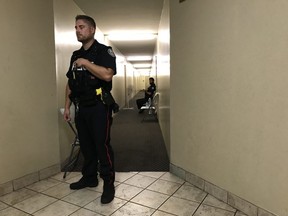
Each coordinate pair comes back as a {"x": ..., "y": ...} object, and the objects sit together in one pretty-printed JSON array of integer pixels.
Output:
[
  {"x": 200, "y": 205},
  {"x": 127, "y": 201}
]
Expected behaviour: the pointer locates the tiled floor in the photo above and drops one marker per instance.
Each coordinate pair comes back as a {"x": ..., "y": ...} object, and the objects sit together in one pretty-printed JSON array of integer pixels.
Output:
[{"x": 137, "y": 193}]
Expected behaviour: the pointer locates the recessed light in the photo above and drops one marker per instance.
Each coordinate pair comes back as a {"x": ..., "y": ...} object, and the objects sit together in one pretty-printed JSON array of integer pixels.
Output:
[
  {"x": 139, "y": 58},
  {"x": 131, "y": 36},
  {"x": 142, "y": 65}
]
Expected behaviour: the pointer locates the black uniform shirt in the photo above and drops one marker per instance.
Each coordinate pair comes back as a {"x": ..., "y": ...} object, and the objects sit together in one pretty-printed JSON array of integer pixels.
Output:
[
  {"x": 99, "y": 54},
  {"x": 151, "y": 89}
]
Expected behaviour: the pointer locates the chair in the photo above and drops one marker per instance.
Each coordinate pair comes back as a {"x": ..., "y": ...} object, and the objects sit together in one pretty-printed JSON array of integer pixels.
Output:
[
  {"x": 151, "y": 106},
  {"x": 75, "y": 151}
]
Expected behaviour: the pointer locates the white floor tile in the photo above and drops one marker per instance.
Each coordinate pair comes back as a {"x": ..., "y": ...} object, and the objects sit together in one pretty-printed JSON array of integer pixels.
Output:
[
  {"x": 204, "y": 210},
  {"x": 3, "y": 206},
  {"x": 59, "y": 191},
  {"x": 17, "y": 196},
  {"x": 140, "y": 181},
  {"x": 190, "y": 193},
  {"x": 133, "y": 209},
  {"x": 179, "y": 207},
  {"x": 58, "y": 208},
  {"x": 106, "y": 209},
  {"x": 35, "y": 203},
  {"x": 43, "y": 185},
  {"x": 153, "y": 174},
  {"x": 126, "y": 192},
  {"x": 82, "y": 197},
  {"x": 150, "y": 199},
  {"x": 170, "y": 177},
  {"x": 210, "y": 200},
  {"x": 238, "y": 213},
  {"x": 165, "y": 187},
  {"x": 160, "y": 213},
  {"x": 85, "y": 212},
  {"x": 12, "y": 212},
  {"x": 123, "y": 176}
]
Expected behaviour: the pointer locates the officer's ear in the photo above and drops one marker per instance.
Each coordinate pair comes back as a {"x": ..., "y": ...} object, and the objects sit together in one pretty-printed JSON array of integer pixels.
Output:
[{"x": 93, "y": 29}]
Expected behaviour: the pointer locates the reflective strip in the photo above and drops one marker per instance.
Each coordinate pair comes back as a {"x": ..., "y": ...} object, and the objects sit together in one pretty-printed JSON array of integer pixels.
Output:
[{"x": 98, "y": 91}]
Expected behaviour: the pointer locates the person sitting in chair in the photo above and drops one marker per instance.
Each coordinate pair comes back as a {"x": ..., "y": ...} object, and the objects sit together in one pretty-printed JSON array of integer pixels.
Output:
[{"x": 149, "y": 93}]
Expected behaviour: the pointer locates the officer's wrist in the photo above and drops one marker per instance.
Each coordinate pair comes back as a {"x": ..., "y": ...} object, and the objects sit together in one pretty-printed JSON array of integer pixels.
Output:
[{"x": 86, "y": 63}]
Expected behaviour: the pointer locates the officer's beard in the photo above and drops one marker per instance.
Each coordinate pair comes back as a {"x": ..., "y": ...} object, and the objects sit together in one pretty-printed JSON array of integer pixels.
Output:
[{"x": 84, "y": 40}]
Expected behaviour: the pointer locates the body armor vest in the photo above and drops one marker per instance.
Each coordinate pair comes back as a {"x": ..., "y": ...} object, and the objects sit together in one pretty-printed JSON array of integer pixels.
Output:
[{"x": 82, "y": 83}]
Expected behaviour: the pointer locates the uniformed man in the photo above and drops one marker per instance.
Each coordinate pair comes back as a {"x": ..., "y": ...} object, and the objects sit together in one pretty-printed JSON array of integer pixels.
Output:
[
  {"x": 149, "y": 93},
  {"x": 90, "y": 74}
]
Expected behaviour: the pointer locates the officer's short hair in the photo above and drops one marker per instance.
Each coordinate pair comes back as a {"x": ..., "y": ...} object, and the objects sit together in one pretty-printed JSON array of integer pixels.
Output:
[
  {"x": 151, "y": 78},
  {"x": 86, "y": 18}
]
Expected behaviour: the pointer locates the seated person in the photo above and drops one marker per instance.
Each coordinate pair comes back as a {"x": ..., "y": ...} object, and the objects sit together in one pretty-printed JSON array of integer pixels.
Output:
[{"x": 149, "y": 93}]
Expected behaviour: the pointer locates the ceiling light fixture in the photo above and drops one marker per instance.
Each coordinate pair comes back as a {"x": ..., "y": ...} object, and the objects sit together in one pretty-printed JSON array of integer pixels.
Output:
[
  {"x": 142, "y": 65},
  {"x": 139, "y": 58},
  {"x": 131, "y": 36}
]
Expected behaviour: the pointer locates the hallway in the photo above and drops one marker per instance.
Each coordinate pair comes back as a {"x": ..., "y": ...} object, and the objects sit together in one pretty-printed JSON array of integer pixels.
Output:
[
  {"x": 221, "y": 73},
  {"x": 137, "y": 193}
]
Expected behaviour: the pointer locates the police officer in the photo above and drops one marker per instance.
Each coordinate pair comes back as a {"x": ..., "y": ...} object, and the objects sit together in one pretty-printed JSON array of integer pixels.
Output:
[
  {"x": 148, "y": 94},
  {"x": 90, "y": 73}
]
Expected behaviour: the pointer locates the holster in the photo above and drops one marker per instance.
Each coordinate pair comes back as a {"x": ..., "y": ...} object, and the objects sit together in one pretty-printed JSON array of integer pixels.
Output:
[{"x": 108, "y": 99}]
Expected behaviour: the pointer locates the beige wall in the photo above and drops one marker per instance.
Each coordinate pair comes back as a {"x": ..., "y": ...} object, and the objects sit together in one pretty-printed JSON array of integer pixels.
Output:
[
  {"x": 163, "y": 74},
  {"x": 65, "y": 43},
  {"x": 32, "y": 132},
  {"x": 28, "y": 129},
  {"x": 229, "y": 96}
]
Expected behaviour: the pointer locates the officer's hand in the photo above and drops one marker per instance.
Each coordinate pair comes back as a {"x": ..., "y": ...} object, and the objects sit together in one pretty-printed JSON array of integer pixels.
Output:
[
  {"x": 66, "y": 115},
  {"x": 80, "y": 62}
]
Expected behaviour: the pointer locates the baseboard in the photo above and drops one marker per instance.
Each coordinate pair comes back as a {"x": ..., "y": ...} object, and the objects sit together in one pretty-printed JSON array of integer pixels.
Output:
[
  {"x": 219, "y": 193},
  {"x": 28, "y": 179}
]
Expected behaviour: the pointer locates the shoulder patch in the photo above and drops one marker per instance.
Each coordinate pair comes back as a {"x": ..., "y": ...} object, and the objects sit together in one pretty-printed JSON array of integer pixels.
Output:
[{"x": 110, "y": 52}]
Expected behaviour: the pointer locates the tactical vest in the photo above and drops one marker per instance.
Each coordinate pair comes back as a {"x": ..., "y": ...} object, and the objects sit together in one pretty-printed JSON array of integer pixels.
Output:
[{"x": 83, "y": 84}]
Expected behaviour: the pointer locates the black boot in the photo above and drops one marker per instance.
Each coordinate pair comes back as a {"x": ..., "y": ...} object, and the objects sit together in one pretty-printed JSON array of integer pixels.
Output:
[
  {"x": 108, "y": 192},
  {"x": 84, "y": 182}
]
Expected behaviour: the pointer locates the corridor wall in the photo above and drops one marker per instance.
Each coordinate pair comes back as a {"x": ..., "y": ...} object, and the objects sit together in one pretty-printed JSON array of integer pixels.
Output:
[
  {"x": 28, "y": 130},
  {"x": 229, "y": 96},
  {"x": 161, "y": 65},
  {"x": 65, "y": 43}
]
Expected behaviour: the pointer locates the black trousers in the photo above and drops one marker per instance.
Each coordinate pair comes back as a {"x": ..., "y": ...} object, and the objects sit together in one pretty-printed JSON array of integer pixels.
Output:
[
  {"x": 140, "y": 102},
  {"x": 93, "y": 125}
]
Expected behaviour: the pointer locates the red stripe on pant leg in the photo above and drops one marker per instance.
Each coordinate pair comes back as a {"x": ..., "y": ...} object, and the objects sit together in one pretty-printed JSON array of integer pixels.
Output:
[
  {"x": 107, "y": 150},
  {"x": 106, "y": 140}
]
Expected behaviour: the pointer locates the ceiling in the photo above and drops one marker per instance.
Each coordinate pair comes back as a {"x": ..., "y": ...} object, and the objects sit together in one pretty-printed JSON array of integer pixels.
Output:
[{"x": 126, "y": 15}]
